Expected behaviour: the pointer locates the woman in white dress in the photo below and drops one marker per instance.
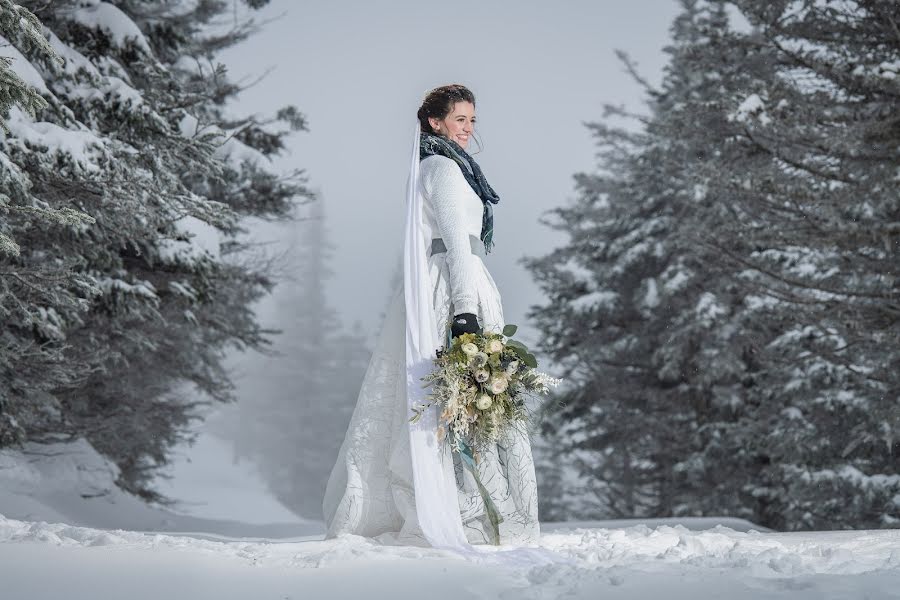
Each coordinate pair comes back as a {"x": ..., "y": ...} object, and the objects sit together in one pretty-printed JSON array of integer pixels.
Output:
[{"x": 379, "y": 473}]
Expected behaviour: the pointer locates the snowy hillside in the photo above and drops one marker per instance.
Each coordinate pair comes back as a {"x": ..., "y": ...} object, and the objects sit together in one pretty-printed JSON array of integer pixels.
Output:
[
  {"x": 209, "y": 483},
  {"x": 71, "y": 483}
]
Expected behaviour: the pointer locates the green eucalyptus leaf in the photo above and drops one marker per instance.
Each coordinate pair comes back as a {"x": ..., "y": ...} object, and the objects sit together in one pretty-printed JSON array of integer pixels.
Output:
[
  {"x": 509, "y": 329},
  {"x": 530, "y": 360},
  {"x": 516, "y": 344},
  {"x": 521, "y": 349},
  {"x": 520, "y": 352}
]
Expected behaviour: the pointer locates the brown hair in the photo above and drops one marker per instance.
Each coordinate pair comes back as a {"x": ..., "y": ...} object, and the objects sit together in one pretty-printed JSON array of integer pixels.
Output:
[{"x": 439, "y": 102}]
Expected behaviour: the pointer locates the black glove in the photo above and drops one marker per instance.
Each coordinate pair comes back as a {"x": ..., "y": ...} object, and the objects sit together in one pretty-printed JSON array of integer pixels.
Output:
[{"x": 464, "y": 323}]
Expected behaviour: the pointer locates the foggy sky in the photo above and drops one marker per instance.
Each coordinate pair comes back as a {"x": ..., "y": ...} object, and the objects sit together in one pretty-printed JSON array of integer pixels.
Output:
[{"x": 359, "y": 69}]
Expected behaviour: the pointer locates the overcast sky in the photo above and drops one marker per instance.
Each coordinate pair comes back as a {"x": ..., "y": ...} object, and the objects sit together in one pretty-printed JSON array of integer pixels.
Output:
[{"x": 359, "y": 69}]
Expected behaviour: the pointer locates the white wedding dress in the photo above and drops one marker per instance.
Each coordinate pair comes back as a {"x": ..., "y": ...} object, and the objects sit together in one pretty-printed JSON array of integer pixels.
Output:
[{"x": 371, "y": 488}]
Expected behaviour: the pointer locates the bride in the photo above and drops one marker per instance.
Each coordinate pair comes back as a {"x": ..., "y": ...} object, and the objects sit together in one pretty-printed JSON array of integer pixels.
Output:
[{"x": 393, "y": 480}]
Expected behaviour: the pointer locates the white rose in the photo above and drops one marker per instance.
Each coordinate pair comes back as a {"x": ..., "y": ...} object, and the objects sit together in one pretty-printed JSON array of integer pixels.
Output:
[
  {"x": 470, "y": 348},
  {"x": 481, "y": 375},
  {"x": 479, "y": 359},
  {"x": 497, "y": 385},
  {"x": 494, "y": 346},
  {"x": 483, "y": 402},
  {"x": 512, "y": 367}
]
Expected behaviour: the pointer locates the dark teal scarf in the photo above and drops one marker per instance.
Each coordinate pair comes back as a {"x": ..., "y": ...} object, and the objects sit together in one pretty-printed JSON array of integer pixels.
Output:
[{"x": 430, "y": 144}]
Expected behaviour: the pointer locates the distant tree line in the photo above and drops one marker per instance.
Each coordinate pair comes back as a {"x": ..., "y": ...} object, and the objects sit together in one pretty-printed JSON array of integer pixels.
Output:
[
  {"x": 292, "y": 419},
  {"x": 124, "y": 180},
  {"x": 727, "y": 305}
]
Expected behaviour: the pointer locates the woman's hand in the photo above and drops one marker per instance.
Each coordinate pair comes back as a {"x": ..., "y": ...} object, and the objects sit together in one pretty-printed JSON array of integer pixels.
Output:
[{"x": 464, "y": 323}]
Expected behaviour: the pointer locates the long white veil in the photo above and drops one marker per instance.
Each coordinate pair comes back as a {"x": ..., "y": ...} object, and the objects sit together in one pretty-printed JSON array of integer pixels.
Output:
[{"x": 437, "y": 505}]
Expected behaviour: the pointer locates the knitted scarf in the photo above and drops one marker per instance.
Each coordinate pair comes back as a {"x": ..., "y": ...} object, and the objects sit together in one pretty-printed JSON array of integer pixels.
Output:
[{"x": 430, "y": 144}]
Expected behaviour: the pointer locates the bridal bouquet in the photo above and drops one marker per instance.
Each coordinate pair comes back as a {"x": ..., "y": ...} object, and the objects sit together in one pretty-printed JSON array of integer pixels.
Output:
[{"x": 481, "y": 382}]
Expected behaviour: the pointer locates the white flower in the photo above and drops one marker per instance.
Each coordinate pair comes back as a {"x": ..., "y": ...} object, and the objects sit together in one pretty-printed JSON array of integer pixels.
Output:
[
  {"x": 512, "y": 367},
  {"x": 494, "y": 346},
  {"x": 481, "y": 375},
  {"x": 497, "y": 385},
  {"x": 480, "y": 359},
  {"x": 483, "y": 402},
  {"x": 469, "y": 348}
]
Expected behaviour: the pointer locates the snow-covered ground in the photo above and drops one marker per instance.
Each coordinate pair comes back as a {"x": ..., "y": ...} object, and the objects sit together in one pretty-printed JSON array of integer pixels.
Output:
[
  {"x": 51, "y": 561},
  {"x": 209, "y": 483},
  {"x": 66, "y": 533}
]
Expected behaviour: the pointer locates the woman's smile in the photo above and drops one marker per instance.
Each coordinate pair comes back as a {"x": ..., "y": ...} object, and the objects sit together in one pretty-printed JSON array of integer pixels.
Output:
[{"x": 458, "y": 125}]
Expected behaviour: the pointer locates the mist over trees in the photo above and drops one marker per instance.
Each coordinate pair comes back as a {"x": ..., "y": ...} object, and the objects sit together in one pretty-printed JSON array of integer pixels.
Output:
[
  {"x": 123, "y": 273},
  {"x": 726, "y": 306},
  {"x": 293, "y": 415}
]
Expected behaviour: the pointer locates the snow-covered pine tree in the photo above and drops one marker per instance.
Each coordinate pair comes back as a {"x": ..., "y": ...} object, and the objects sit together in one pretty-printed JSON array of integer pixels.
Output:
[
  {"x": 136, "y": 134},
  {"x": 632, "y": 313},
  {"x": 764, "y": 367},
  {"x": 814, "y": 116},
  {"x": 35, "y": 295}
]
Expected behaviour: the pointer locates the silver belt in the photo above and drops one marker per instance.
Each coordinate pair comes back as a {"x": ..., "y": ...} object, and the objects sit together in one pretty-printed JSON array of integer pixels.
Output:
[{"x": 437, "y": 246}]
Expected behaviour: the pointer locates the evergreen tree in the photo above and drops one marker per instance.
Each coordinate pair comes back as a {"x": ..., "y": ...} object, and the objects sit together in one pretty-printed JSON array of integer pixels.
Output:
[
  {"x": 629, "y": 292},
  {"x": 107, "y": 321},
  {"x": 717, "y": 307},
  {"x": 815, "y": 123}
]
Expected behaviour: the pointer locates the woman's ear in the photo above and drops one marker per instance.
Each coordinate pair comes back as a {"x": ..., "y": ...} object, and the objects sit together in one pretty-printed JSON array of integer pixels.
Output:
[{"x": 434, "y": 124}]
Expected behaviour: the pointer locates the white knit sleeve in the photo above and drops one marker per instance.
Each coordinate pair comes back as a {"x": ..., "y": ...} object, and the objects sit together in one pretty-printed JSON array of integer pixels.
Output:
[{"x": 447, "y": 188}]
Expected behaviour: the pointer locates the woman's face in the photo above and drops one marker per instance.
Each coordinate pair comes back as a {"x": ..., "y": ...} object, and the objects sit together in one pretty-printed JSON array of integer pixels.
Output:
[{"x": 458, "y": 125}]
